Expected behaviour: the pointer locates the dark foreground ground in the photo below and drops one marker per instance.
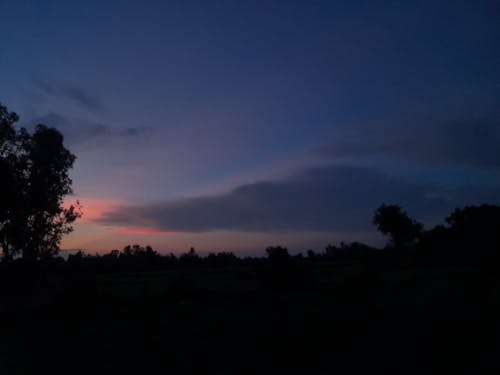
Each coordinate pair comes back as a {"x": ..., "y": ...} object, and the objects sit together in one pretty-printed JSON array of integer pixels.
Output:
[{"x": 323, "y": 318}]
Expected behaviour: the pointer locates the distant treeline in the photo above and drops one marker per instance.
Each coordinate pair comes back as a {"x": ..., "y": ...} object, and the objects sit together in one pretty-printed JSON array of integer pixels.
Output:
[{"x": 470, "y": 236}]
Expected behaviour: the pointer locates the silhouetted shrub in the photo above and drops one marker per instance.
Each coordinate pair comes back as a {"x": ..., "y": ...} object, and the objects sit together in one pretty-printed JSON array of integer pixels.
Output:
[{"x": 277, "y": 254}]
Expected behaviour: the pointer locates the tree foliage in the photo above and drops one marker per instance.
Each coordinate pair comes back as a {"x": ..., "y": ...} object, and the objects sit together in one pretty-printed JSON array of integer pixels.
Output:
[
  {"x": 277, "y": 253},
  {"x": 393, "y": 221},
  {"x": 476, "y": 227},
  {"x": 35, "y": 179}
]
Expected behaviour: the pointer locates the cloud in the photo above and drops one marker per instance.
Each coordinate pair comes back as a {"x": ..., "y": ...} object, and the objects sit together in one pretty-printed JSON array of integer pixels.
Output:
[
  {"x": 77, "y": 95},
  {"x": 78, "y": 131},
  {"x": 332, "y": 198},
  {"x": 469, "y": 141},
  {"x": 135, "y": 132}
]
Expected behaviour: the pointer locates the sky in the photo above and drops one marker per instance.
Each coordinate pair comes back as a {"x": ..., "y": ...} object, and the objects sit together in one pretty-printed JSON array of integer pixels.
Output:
[{"x": 237, "y": 125}]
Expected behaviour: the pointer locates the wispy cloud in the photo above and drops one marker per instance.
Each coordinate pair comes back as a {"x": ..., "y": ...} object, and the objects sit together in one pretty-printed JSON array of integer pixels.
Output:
[
  {"x": 78, "y": 131},
  {"x": 77, "y": 95}
]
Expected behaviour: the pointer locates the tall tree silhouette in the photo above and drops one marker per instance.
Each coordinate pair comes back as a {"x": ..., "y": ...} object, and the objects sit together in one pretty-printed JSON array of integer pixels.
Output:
[
  {"x": 393, "y": 221},
  {"x": 35, "y": 179}
]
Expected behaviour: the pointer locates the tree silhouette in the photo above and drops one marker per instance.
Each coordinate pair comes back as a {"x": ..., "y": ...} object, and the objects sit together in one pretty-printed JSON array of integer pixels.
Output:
[
  {"x": 138, "y": 251},
  {"x": 189, "y": 258},
  {"x": 393, "y": 221},
  {"x": 277, "y": 253},
  {"x": 35, "y": 180},
  {"x": 476, "y": 228}
]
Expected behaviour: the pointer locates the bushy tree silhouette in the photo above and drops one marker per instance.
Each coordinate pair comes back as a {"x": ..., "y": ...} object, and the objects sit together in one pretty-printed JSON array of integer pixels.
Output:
[
  {"x": 475, "y": 229},
  {"x": 139, "y": 252},
  {"x": 277, "y": 253},
  {"x": 393, "y": 221},
  {"x": 35, "y": 179}
]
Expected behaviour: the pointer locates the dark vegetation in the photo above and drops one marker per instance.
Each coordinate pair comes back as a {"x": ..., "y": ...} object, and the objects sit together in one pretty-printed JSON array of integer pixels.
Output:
[
  {"x": 34, "y": 180},
  {"x": 428, "y": 302}
]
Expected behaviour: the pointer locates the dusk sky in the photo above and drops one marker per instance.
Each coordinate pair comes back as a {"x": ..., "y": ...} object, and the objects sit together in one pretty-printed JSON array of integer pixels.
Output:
[{"x": 235, "y": 125}]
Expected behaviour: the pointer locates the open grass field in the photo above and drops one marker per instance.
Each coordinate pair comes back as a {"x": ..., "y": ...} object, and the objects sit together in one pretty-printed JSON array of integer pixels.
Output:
[{"x": 328, "y": 318}]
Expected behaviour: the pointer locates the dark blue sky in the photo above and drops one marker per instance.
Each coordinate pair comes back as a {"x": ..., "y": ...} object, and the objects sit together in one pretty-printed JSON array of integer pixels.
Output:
[{"x": 234, "y": 125}]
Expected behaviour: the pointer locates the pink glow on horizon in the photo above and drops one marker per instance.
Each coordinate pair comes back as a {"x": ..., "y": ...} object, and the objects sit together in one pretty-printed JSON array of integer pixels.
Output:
[
  {"x": 93, "y": 208},
  {"x": 89, "y": 230},
  {"x": 146, "y": 231}
]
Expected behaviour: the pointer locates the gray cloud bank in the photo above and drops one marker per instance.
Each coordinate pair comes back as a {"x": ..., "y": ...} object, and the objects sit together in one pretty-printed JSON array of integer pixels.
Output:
[{"x": 323, "y": 198}]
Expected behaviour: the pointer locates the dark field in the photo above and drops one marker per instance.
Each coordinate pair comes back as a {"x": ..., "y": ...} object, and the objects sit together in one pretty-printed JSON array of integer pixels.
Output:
[{"x": 308, "y": 317}]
